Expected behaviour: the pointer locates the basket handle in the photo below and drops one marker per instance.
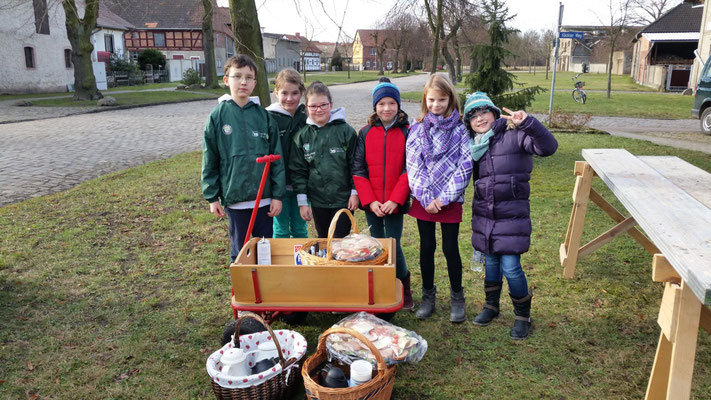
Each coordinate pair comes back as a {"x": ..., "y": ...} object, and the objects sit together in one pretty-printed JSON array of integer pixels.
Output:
[
  {"x": 332, "y": 229},
  {"x": 248, "y": 315},
  {"x": 337, "y": 329}
]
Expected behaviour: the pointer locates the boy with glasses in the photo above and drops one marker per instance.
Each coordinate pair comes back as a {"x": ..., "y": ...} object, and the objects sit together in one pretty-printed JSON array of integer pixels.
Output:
[{"x": 237, "y": 132}]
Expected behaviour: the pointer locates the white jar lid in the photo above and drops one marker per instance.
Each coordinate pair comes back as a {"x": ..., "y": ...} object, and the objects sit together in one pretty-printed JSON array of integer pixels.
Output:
[
  {"x": 233, "y": 356},
  {"x": 361, "y": 371}
]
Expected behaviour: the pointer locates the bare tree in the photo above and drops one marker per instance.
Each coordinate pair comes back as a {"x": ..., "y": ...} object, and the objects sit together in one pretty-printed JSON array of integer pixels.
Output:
[
  {"x": 647, "y": 11},
  {"x": 381, "y": 40},
  {"x": 208, "y": 45},
  {"x": 434, "y": 20},
  {"x": 248, "y": 40},
  {"x": 79, "y": 32},
  {"x": 548, "y": 38},
  {"x": 619, "y": 15},
  {"x": 457, "y": 11}
]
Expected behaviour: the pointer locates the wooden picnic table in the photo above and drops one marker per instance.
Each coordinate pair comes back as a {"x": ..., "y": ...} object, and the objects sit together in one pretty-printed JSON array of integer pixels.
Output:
[{"x": 670, "y": 200}]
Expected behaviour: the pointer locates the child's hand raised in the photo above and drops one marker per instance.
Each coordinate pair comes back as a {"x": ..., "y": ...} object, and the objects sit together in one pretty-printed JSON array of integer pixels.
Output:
[{"x": 515, "y": 116}]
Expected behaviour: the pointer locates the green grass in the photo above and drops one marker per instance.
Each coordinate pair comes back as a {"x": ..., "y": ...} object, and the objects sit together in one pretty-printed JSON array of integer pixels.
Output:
[
  {"x": 136, "y": 98},
  {"x": 118, "y": 289},
  {"x": 592, "y": 81},
  {"x": 620, "y": 104},
  {"x": 147, "y": 86},
  {"x": 330, "y": 78}
]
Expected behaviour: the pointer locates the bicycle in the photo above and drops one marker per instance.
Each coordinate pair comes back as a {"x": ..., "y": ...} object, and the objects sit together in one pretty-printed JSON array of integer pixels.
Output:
[{"x": 579, "y": 94}]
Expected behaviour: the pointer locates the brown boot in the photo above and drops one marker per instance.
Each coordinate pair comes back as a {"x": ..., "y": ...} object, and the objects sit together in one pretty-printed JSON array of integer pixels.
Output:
[{"x": 407, "y": 303}]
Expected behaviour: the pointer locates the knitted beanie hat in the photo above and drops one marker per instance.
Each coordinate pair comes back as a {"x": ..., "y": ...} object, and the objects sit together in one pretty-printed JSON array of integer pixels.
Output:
[
  {"x": 386, "y": 89},
  {"x": 479, "y": 101}
]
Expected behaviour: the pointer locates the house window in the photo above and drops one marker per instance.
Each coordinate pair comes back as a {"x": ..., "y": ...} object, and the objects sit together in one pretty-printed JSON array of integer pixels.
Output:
[
  {"x": 372, "y": 52},
  {"x": 67, "y": 58},
  {"x": 367, "y": 64},
  {"x": 41, "y": 16},
  {"x": 109, "y": 43},
  {"x": 29, "y": 57},
  {"x": 159, "y": 39},
  {"x": 229, "y": 47},
  {"x": 375, "y": 64}
]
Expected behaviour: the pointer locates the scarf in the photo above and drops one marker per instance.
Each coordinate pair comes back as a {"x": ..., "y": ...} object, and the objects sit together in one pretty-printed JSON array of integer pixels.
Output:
[
  {"x": 480, "y": 144},
  {"x": 432, "y": 124}
]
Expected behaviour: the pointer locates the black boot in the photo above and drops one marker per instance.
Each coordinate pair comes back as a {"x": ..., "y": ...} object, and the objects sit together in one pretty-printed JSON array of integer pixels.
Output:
[
  {"x": 407, "y": 303},
  {"x": 523, "y": 323},
  {"x": 492, "y": 290},
  {"x": 428, "y": 303},
  {"x": 456, "y": 306}
]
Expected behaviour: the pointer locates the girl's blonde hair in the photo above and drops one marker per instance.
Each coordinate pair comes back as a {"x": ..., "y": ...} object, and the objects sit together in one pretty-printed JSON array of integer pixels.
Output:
[
  {"x": 317, "y": 88},
  {"x": 289, "y": 75},
  {"x": 442, "y": 83}
]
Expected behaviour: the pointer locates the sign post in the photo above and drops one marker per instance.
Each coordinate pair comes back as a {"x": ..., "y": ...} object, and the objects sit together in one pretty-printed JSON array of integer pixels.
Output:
[{"x": 555, "y": 63}]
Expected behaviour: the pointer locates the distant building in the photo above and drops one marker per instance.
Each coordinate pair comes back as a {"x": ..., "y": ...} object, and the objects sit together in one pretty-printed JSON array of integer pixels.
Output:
[
  {"x": 280, "y": 52},
  {"x": 310, "y": 54},
  {"x": 664, "y": 50},
  {"x": 175, "y": 29},
  {"x": 593, "y": 50},
  {"x": 365, "y": 45}
]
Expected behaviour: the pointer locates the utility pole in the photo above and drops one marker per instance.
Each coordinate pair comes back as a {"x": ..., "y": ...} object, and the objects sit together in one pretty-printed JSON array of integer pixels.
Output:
[{"x": 555, "y": 63}]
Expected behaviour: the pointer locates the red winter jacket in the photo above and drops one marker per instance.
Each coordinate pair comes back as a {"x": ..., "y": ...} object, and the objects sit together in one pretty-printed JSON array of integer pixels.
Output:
[{"x": 378, "y": 167}]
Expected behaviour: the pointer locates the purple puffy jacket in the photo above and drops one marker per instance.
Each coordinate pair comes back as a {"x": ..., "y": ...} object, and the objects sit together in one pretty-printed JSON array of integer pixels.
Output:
[{"x": 501, "y": 221}]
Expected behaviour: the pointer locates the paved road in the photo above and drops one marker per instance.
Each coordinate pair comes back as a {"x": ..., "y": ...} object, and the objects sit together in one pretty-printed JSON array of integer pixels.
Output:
[{"x": 49, "y": 155}]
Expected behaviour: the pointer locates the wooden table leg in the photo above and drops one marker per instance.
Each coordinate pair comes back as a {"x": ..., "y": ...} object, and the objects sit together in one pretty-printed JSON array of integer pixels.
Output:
[
  {"x": 581, "y": 197},
  {"x": 673, "y": 368}
]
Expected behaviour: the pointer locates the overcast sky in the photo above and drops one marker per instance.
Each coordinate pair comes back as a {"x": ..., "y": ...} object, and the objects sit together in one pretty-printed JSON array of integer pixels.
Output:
[{"x": 282, "y": 16}]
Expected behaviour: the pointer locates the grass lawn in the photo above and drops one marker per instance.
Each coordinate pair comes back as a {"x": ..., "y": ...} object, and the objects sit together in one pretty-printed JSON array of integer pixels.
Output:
[
  {"x": 592, "y": 81},
  {"x": 620, "y": 104},
  {"x": 330, "y": 78},
  {"x": 118, "y": 289},
  {"x": 136, "y": 98}
]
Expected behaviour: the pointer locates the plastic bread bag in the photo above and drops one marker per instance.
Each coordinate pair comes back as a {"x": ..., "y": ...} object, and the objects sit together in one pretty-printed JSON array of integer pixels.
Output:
[
  {"x": 356, "y": 247},
  {"x": 396, "y": 344}
]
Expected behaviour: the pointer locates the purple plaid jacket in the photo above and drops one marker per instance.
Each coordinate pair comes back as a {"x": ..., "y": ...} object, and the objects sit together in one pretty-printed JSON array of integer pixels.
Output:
[{"x": 439, "y": 163}]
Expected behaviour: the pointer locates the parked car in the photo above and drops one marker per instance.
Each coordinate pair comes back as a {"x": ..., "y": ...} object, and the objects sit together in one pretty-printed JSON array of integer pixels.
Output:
[{"x": 702, "y": 100}]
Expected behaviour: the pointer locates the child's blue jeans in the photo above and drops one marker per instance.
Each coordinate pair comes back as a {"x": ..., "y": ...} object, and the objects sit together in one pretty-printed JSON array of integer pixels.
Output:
[
  {"x": 510, "y": 266},
  {"x": 239, "y": 222},
  {"x": 389, "y": 226}
]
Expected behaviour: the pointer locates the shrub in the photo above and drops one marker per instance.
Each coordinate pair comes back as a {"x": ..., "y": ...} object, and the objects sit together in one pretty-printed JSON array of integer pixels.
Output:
[
  {"x": 151, "y": 57},
  {"x": 191, "y": 77},
  {"x": 121, "y": 65}
]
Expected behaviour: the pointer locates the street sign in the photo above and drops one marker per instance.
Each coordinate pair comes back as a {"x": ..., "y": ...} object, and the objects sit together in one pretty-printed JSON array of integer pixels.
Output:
[{"x": 571, "y": 35}]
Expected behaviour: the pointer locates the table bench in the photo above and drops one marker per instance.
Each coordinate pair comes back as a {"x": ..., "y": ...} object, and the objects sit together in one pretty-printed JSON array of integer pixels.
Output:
[{"x": 670, "y": 200}]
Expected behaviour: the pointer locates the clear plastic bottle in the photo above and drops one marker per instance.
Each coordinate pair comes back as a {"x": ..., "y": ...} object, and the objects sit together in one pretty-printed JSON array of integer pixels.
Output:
[{"x": 477, "y": 263}]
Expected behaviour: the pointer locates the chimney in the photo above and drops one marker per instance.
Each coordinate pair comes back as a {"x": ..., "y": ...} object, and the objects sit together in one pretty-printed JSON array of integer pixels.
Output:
[{"x": 298, "y": 35}]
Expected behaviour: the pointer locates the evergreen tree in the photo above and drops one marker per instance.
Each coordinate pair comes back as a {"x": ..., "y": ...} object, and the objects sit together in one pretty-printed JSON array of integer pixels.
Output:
[{"x": 491, "y": 77}]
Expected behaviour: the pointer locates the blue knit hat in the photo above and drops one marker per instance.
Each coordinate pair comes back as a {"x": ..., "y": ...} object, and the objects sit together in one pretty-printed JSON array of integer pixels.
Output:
[
  {"x": 479, "y": 101},
  {"x": 386, "y": 89}
]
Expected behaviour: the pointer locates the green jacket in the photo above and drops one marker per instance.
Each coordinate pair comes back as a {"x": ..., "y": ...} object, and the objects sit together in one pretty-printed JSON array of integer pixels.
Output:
[
  {"x": 288, "y": 126},
  {"x": 320, "y": 162},
  {"x": 233, "y": 139}
]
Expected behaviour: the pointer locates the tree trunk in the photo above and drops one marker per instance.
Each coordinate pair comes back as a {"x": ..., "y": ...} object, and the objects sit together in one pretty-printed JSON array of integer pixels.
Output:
[
  {"x": 609, "y": 66},
  {"x": 548, "y": 64},
  {"x": 458, "y": 55},
  {"x": 208, "y": 43},
  {"x": 450, "y": 61},
  {"x": 397, "y": 60},
  {"x": 436, "y": 28},
  {"x": 248, "y": 40},
  {"x": 380, "y": 54},
  {"x": 79, "y": 35}
]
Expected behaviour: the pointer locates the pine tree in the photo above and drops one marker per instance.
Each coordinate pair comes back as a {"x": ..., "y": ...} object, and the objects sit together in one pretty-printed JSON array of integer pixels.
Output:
[{"x": 490, "y": 77}]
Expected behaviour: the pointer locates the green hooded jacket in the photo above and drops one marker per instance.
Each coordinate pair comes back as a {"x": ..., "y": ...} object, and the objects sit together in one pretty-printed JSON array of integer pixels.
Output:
[
  {"x": 288, "y": 126},
  {"x": 233, "y": 139},
  {"x": 320, "y": 162}
]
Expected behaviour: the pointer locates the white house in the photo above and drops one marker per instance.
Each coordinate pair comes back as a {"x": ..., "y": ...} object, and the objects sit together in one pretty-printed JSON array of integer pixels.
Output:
[
  {"x": 35, "y": 55},
  {"x": 108, "y": 40}
]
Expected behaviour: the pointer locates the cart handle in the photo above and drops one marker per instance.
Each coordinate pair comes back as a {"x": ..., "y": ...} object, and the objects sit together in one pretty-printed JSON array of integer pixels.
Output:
[{"x": 268, "y": 158}]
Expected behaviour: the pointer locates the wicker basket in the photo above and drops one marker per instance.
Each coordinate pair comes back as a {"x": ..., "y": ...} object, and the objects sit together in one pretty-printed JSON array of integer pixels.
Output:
[
  {"x": 380, "y": 387},
  {"x": 279, "y": 386},
  {"x": 310, "y": 259}
]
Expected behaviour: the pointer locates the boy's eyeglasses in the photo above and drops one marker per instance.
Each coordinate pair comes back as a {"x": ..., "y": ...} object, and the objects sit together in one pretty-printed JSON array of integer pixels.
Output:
[
  {"x": 240, "y": 78},
  {"x": 314, "y": 107}
]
